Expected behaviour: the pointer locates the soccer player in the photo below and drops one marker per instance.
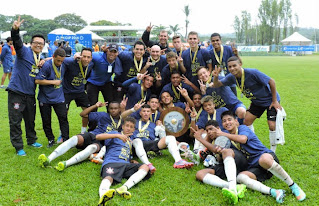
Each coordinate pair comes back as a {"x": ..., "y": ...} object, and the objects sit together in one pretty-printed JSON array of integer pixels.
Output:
[
  {"x": 174, "y": 62},
  {"x": 223, "y": 96},
  {"x": 86, "y": 142},
  {"x": 51, "y": 96},
  {"x": 74, "y": 82},
  {"x": 7, "y": 61},
  {"x": 220, "y": 54},
  {"x": 262, "y": 162},
  {"x": 231, "y": 163},
  {"x": 145, "y": 141},
  {"x": 118, "y": 164},
  {"x": 138, "y": 92},
  {"x": 167, "y": 100},
  {"x": 21, "y": 89},
  {"x": 259, "y": 88},
  {"x": 178, "y": 45},
  {"x": 197, "y": 97},
  {"x": 163, "y": 39},
  {"x": 194, "y": 57},
  {"x": 176, "y": 81}
]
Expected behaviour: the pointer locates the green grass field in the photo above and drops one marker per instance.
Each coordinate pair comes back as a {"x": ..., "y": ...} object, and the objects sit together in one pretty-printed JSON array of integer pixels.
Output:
[{"x": 23, "y": 182}]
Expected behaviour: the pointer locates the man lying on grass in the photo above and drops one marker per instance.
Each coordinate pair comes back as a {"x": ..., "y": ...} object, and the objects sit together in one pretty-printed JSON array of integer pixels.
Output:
[
  {"x": 231, "y": 162},
  {"x": 118, "y": 164},
  {"x": 262, "y": 162}
]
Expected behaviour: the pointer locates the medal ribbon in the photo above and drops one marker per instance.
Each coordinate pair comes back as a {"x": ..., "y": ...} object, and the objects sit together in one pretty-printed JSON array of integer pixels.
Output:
[
  {"x": 236, "y": 144},
  {"x": 138, "y": 67},
  {"x": 198, "y": 113},
  {"x": 220, "y": 58},
  {"x": 57, "y": 73},
  {"x": 142, "y": 129},
  {"x": 242, "y": 81},
  {"x": 36, "y": 59},
  {"x": 81, "y": 69},
  {"x": 114, "y": 124},
  {"x": 214, "y": 116},
  {"x": 142, "y": 93},
  {"x": 154, "y": 61},
  {"x": 190, "y": 53},
  {"x": 178, "y": 95},
  {"x": 155, "y": 115}
]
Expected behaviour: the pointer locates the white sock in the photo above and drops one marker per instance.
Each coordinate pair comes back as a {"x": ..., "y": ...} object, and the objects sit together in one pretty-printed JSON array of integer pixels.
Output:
[
  {"x": 83, "y": 129},
  {"x": 140, "y": 151},
  {"x": 135, "y": 178},
  {"x": 63, "y": 148},
  {"x": 251, "y": 127},
  {"x": 279, "y": 172},
  {"x": 253, "y": 184},
  {"x": 101, "y": 153},
  {"x": 104, "y": 186},
  {"x": 172, "y": 147},
  {"x": 81, "y": 156},
  {"x": 231, "y": 172},
  {"x": 272, "y": 140},
  {"x": 215, "y": 181}
]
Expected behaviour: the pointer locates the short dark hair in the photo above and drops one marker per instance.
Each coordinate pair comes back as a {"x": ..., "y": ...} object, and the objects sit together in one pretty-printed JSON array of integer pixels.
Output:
[
  {"x": 216, "y": 34},
  {"x": 192, "y": 33},
  {"x": 230, "y": 113},
  {"x": 176, "y": 37},
  {"x": 129, "y": 119},
  {"x": 199, "y": 68},
  {"x": 153, "y": 96},
  {"x": 175, "y": 71},
  {"x": 76, "y": 41},
  {"x": 59, "y": 52},
  {"x": 9, "y": 39},
  {"x": 114, "y": 102},
  {"x": 196, "y": 93},
  {"x": 139, "y": 43},
  {"x": 212, "y": 122},
  {"x": 146, "y": 106},
  {"x": 86, "y": 49},
  {"x": 171, "y": 54},
  {"x": 233, "y": 58},
  {"x": 39, "y": 36}
]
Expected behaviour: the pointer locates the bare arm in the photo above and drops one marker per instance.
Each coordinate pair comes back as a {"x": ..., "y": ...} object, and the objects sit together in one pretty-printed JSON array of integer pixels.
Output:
[{"x": 273, "y": 90}]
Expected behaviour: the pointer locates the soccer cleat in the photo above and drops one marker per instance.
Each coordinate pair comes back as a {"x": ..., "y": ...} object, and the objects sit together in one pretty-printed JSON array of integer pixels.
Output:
[
  {"x": 183, "y": 164},
  {"x": 92, "y": 156},
  {"x": 43, "y": 160},
  {"x": 97, "y": 161},
  {"x": 51, "y": 143},
  {"x": 278, "y": 194},
  {"x": 122, "y": 191},
  {"x": 298, "y": 192},
  {"x": 230, "y": 195},
  {"x": 193, "y": 157},
  {"x": 151, "y": 154},
  {"x": 21, "y": 152},
  {"x": 108, "y": 195},
  {"x": 60, "y": 166},
  {"x": 241, "y": 189},
  {"x": 152, "y": 168},
  {"x": 36, "y": 144},
  {"x": 60, "y": 140}
]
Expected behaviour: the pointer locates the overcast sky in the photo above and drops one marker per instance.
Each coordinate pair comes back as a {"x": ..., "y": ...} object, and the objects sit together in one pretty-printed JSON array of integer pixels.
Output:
[{"x": 206, "y": 16}]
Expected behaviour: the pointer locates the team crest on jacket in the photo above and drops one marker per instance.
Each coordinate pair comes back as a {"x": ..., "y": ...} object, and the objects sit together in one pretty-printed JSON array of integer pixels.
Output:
[
  {"x": 110, "y": 170},
  {"x": 16, "y": 106}
]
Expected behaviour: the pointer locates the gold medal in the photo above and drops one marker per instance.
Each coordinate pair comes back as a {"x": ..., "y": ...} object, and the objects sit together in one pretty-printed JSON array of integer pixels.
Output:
[{"x": 138, "y": 67}]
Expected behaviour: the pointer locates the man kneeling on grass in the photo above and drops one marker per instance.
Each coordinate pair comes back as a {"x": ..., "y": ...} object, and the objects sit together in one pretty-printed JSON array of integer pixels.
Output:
[
  {"x": 262, "y": 162},
  {"x": 231, "y": 162},
  {"x": 117, "y": 164}
]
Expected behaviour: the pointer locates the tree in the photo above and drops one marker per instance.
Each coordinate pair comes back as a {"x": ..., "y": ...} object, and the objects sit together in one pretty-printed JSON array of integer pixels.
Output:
[
  {"x": 174, "y": 29},
  {"x": 70, "y": 21},
  {"x": 5, "y": 22},
  {"x": 186, "y": 12},
  {"x": 238, "y": 30}
]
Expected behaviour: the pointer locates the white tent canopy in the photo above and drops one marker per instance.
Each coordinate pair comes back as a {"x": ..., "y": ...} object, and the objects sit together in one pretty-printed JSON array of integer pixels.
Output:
[
  {"x": 296, "y": 39},
  {"x": 6, "y": 34},
  {"x": 62, "y": 31},
  {"x": 94, "y": 35}
]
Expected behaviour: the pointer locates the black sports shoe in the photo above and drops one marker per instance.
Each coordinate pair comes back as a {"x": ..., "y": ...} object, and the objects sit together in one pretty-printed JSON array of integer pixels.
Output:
[{"x": 51, "y": 143}]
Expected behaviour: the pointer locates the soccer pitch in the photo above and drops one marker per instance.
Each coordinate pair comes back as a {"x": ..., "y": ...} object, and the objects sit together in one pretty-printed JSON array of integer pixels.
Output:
[{"x": 23, "y": 182}]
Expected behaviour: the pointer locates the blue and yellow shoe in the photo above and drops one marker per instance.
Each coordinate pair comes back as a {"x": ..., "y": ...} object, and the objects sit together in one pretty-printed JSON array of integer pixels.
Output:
[
  {"x": 122, "y": 191},
  {"x": 107, "y": 196},
  {"x": 230, "y": 195},
  {"x": 298, "y": 192},
  {"x": 278, "y": 194},
  {"x": 43, "y": 160}
]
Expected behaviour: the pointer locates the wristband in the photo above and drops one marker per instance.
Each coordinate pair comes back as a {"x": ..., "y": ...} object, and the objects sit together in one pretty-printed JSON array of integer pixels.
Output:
[
  {"x": 133, "y": 110},
  {"x": 193, "y": 118}
]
